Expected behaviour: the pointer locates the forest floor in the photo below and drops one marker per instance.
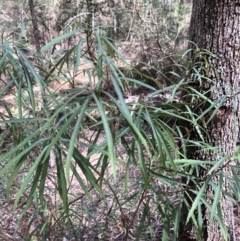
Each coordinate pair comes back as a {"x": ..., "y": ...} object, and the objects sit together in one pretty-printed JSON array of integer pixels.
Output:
[
  {"x": 111, "y": 217},
  {"x": 101, "y": 218}
]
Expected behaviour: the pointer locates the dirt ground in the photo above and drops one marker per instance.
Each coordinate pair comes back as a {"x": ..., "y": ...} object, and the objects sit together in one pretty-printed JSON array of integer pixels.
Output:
[{"x": 114, "y": 214}]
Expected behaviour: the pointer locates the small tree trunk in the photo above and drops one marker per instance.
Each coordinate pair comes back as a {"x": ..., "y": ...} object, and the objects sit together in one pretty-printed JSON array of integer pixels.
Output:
[{"x": 36, "y": 32}]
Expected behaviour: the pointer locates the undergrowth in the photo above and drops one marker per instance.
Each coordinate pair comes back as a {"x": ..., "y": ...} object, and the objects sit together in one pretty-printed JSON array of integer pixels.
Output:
[{"x": 94, "y": 162}]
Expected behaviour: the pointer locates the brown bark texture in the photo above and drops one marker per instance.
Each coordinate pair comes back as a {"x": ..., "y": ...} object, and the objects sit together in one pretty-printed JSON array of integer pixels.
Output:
[
  {"x": 36, "y": 32},
  {"x": 215, "y": 26}
]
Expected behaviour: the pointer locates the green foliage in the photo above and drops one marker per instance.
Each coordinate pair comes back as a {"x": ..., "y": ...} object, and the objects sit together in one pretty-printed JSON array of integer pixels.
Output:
[{"x": 143, "y": 136}]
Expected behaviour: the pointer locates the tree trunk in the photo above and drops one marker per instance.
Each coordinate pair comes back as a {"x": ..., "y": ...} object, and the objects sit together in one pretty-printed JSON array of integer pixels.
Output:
[
  {"x": 36, "y": 32},
  {"x": 215, "y": 26}
]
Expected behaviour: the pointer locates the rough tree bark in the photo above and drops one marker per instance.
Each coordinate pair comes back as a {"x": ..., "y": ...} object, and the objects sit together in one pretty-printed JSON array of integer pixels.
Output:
[
  {"x": 36, "y": 32},
  {"x": 215, "y": 26}
]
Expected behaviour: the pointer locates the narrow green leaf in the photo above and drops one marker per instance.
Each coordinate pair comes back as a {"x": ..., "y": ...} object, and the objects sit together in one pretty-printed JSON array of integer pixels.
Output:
[
  {"x": 12, "y": 162},
  {"x": 142, "y": 165},
  {"x": 79, "y": 48},
  {"x": 27, "y": 178},
  {"x": 217, "y": 164},
  {"x": 19, "y": 100},
  {"x": 61, "y": 179},
  {"x": 224, "y": 229},
  {"x": 216, "y": 201},
  {"x": 199, "y": 227},
  {"x": 165, "y": 179},
  {"x": 14, "y": 174},
  {"x": 195, "y": 123},
  {"x": 193, "y": 162},
  {"x": 60, "y": 38},
  {"x": 81, "y": 182},
  {"x": 236, "y": 182},
  {"x": 111, "y": 152},
  {"x": 127, "y": 115},
  {"x": 85, "y": 165},
  {"x": 177, "y": 219},
  {"x": 140, "y": 227},
  {"x": 43, "y": 169},
  {"x": 199, "y": 196},
  {"x": 104, "y": 164},
  {"x": 74, "y": 138}
]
